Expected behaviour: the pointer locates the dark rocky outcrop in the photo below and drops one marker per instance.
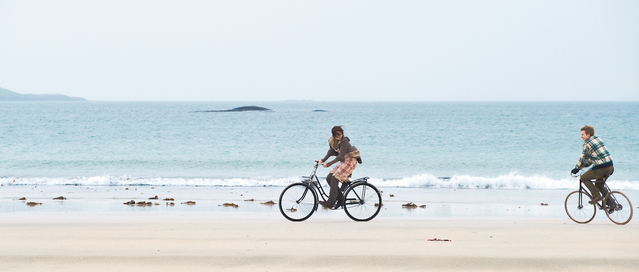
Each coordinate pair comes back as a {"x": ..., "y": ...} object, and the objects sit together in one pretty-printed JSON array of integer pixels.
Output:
[{"x": 240, "y": 109}]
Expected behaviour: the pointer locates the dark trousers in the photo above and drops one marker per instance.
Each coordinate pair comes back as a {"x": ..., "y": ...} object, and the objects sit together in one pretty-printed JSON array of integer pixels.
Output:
[
  {"x": 333, "y": 195},
  {"x": 600, "y": 176}
]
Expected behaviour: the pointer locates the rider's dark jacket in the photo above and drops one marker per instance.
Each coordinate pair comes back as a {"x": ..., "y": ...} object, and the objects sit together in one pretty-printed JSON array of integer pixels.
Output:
[{"x": 341, "y": 149}]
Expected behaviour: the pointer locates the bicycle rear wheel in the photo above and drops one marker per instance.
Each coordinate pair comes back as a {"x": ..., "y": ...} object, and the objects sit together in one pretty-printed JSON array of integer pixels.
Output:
[
  {"x": 618, "y": 208},
  {"x": 578, "y": 208},
  {"x": 298, "y": 202},
  {"x": 362, "y": 202}
]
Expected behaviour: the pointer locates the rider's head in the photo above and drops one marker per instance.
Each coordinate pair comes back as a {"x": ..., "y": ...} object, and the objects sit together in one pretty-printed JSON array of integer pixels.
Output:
[
  {"x": 587, "y": 132},
  {"x": 337, "y": 131}
]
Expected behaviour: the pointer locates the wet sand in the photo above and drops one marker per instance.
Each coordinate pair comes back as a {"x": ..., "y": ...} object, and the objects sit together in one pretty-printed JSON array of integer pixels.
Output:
[
  {"x": 209, "y": 242},
  {"x": 439, "y": 203}
]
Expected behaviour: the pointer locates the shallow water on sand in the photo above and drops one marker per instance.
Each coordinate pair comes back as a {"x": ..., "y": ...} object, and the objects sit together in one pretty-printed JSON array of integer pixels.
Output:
[{"x": 439, "y": 203}]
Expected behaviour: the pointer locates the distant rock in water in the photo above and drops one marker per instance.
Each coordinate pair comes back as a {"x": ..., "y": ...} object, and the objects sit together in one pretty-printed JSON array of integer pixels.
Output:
[
  {"x": 245, "y": 108},
  {"x": 319, "y": 111},
  {"x": 6, "y": 95}
]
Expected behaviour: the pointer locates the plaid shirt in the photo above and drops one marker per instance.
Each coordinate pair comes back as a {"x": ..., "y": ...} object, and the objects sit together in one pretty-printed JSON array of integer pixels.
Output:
[{"x": 594, "y": 152}]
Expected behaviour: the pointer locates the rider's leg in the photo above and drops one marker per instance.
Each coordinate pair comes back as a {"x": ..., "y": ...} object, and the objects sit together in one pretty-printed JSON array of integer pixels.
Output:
[
  {"x": 332, "y": 196},
  {"x": 607, "y": 172},
  {"x": 599, "y": 175},
  {"x": 587, "y": 178},
  {"x": 328, "y": 178},
  {"x": 342, "y": 170},
  {"x": 341, "y": 192},
  {"x": 333, "y": 182},
  {"x": 599, "y": 183}
]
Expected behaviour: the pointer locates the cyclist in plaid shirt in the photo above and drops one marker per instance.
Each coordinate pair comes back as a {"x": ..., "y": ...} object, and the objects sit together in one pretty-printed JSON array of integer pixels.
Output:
[{"x": 594, "y": 153}]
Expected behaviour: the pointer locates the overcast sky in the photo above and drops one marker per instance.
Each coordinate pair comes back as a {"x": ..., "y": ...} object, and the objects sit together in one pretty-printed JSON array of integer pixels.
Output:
[{"x": 322, "y": 50}]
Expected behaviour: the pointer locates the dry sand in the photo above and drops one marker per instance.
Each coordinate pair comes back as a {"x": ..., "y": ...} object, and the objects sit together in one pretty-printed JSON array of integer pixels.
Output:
[{"x": 200, "y": 242}]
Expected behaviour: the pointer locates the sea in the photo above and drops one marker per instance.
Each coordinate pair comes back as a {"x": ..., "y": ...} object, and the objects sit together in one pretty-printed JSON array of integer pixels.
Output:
[{"x": 480, "y": 147}]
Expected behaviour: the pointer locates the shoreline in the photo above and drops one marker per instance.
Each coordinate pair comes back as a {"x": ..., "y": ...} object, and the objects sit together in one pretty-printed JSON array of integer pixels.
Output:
[
  {"x": 91, "y": 201},
  {"x": 201, "y": 242}
]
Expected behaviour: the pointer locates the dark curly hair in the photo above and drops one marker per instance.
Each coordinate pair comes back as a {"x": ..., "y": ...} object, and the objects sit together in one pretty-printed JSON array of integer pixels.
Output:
[{"x": 337, "y": 129}]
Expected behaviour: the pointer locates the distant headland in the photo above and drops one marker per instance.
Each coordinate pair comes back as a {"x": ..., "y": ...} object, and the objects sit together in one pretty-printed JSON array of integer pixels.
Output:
[
  {"x": 245, "y": 108},
  {"x": 6, "y": 95}
]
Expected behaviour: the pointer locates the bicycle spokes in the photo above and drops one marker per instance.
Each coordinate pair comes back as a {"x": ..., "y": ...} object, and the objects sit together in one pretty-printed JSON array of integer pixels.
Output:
[
  {"x": 363, "y": 202},
  {"x": 298, "y": 202},
  {"x": 577, "y": 207},
  {"x": 620, "y": 209}
]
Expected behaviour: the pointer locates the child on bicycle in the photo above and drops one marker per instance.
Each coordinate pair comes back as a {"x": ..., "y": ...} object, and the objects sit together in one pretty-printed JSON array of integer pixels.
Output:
[
  {"x": 594, "y": 153},
  {"x": 348, "y": 157}
]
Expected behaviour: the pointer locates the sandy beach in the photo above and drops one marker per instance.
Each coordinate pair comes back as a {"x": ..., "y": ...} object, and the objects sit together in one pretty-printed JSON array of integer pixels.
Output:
[{"x": 205, "y": 242}]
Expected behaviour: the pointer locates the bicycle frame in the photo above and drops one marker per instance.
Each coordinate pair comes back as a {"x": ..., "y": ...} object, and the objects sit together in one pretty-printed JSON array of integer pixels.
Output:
[
  {"x": 299, "y": 200},
  {"x": 314, "y": 183},
  {"x": 600, "y": 206},
  {"x": 583, "y": 190}
]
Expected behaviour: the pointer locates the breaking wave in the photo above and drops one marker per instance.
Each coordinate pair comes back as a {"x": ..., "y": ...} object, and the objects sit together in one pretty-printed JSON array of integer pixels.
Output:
[{"x": 510, "y": 181}]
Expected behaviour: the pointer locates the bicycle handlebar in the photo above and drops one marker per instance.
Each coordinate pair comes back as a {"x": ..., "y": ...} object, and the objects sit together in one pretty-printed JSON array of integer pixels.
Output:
[{"x": 581, "y": 172}]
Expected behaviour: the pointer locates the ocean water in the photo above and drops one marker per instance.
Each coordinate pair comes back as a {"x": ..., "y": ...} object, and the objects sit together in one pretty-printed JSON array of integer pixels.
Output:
[{"x": 459, "y": 145}]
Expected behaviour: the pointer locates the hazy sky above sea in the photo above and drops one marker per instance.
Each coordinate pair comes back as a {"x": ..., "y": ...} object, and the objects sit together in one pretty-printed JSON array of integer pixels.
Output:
[{"x": 322, "y": 50}]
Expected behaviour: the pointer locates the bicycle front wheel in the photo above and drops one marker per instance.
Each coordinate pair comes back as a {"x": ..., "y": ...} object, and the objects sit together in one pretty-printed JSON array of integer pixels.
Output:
[
  {"x": 298, "y": 202},
  {"x": 578, "y": 208},
  {"x": 618, "y": 208},
  {"x": 362, "y": 202}
]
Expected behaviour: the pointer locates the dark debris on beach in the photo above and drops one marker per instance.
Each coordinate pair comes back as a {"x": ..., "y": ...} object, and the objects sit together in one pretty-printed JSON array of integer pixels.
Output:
[
  {"x": 411, "y": 205},
  {"x": 439, "y": 240}
]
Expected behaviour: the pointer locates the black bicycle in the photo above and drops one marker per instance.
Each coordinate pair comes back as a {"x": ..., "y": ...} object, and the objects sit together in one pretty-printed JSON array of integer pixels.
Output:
[
  {"x": 361, "y": 200},
  {"x": 616, "y": 205}
]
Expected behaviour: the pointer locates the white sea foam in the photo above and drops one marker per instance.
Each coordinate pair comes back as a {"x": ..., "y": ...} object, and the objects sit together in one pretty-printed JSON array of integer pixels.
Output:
[
  {"x": 131, "y": 181},
  {"x": 511, "y": 181}
]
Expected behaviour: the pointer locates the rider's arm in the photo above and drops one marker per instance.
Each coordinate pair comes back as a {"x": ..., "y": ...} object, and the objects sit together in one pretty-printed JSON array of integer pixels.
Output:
[
  {"x": 330, "y": 153},
  {"x": 344, "y": 145},
  {"x": 584, "y": 160}
]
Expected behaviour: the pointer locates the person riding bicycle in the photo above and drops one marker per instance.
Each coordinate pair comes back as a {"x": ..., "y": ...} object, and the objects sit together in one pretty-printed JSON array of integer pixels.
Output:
[
  {"x": 348, "y": 157},
  {"x": 594, "y": 153}
]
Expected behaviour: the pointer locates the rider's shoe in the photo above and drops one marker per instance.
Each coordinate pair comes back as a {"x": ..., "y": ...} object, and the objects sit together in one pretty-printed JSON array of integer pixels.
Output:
[
  {"x": 595, "y": 200},
  {"x": 611, "y": 208},
  {"x": 325, "y": 204}
]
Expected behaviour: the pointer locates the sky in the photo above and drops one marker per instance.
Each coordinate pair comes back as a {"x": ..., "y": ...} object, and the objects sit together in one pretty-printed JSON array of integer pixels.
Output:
[{"x": 349, "y": 50}]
